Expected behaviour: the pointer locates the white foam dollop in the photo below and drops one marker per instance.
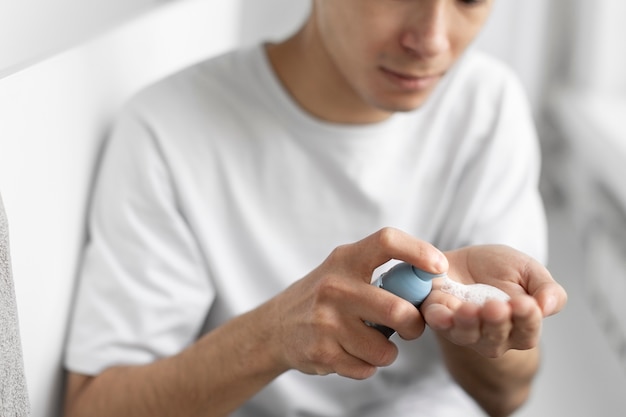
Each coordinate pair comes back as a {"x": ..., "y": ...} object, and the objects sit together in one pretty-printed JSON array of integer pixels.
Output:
[{"x": 474, "y": 293}]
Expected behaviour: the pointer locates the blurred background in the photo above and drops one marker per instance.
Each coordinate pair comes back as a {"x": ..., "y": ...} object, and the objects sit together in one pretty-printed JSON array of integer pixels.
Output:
[{"x": 67, "y": 65}]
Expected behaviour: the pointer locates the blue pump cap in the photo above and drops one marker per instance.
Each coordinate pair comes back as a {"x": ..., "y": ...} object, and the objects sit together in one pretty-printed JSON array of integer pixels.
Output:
[{"x": 408, "y": 282}]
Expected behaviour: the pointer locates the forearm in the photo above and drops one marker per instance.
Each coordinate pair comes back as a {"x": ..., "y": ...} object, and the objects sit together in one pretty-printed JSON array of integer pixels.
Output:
[
  {"x": 499, "y": 385},
  {"x": 213, "y": 377}
]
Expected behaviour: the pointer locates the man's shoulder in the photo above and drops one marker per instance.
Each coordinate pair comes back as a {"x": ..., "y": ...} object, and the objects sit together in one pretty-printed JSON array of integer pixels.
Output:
[
  {"x": 210, "y": 78},
  {"x": 478, "y": 69},
  {"x": 480, "y": 80}
]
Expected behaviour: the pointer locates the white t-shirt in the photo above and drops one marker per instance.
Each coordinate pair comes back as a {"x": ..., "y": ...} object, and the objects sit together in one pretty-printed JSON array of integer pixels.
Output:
[{"x": 217, "y": 191}]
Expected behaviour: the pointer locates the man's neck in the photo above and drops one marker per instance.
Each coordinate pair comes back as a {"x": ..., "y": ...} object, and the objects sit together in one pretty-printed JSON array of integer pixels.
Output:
[{"x": 309, "y": 74}]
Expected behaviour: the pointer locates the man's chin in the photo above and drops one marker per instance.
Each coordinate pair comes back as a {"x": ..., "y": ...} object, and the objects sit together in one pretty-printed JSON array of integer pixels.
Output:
[
  {"x": 403, "y": 107},
  {"x": 403, "y": 104}
]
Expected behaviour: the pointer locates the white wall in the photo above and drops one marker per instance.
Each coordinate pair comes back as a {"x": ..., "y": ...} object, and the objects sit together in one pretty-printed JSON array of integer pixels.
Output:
[
  {"x": 53, "y": 116},
  {"x": 518, "y": 33},
  {"x": 599, "y": 60},
  {"x": 32, "y": 29},
  {"x": 259, "y": 19}
]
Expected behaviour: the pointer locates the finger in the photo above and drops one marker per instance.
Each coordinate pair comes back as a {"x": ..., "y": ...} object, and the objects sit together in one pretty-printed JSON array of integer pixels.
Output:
[
  {"x": 352, "y": 367},
  {"x": 466, "y": 328},
  {"x": 370, "y": 346},
  {"x": 389, "y": 243},
  {"x": 551, "y": 298},
  {"x": 385, "y": 308},
  {"x": 527, "y": 321},
  {"x": 411, "y": 329},
  {"x": 540, "y": 284},
  {"x": 496, "y": 327},
  {"x": 327, "y": 354},
  {"x": 439, "y": 317}
]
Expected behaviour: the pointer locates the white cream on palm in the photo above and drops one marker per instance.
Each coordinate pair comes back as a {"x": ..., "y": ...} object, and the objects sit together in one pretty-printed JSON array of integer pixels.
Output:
[{"x": 474, "y": 293}]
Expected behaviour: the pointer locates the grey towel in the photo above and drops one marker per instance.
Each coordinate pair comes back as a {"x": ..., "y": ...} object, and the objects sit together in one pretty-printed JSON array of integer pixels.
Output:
[{"x": 13, "y": 395}]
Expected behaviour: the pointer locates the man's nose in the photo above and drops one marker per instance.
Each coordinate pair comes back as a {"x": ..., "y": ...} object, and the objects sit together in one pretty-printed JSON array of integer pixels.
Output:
[{"x": 427, "y": 33}]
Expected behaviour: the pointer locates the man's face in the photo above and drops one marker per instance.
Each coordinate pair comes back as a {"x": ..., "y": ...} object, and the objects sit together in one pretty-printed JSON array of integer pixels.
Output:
[{"x": 392, "y": 53}]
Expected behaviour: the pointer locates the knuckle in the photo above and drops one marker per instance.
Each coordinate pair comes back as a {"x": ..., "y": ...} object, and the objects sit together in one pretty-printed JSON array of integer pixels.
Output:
[
  {"x": 329, "y": 287},
  {"x": 495, "y": 337},
  {"x": 493, "y": 352},
  {"x": 322, "y": 321},
  {"x": 362, "y": 372},
  {"x": 424, "y": 251},
  {"x": 387, "y": 236},
  {"x": 359, "y": 373},
  {"x": 399, "y": 311},
  {"x": 403, "y": 317},
  {"x": 320, "y": 357},
  {"x": 413, "y": 331},
  {"x": 464, "y": 338},
  {"x": 526, "y": 338},
  {"x": 338, "y": 256},
  {"x": 527, "y": 343},
  {"x": 386, "y": 356}
]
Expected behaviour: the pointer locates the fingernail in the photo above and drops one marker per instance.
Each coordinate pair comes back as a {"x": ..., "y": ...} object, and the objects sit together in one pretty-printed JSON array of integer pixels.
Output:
[
  {"x": 549, "y": 306},
  {"x": 442, "y": 263}
]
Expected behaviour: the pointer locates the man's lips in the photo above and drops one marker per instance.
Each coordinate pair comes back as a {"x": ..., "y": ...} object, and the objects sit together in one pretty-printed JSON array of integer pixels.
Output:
[{"x": 410, "y": 81}]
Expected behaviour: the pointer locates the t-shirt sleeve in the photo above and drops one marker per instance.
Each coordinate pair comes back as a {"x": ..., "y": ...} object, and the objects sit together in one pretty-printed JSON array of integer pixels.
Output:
[
  {"x": 499, "y": 193},
  {"x": 143, "y": 289}
]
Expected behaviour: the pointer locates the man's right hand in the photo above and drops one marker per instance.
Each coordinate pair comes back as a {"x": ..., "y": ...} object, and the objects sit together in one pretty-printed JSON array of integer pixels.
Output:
[
  {"x": 316, "y": 326},
  {"x": 320, "y": 319}
]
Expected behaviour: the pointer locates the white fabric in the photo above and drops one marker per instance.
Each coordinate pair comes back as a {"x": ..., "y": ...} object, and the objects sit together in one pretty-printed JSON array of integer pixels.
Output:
[{"x": 217, "y": 191}]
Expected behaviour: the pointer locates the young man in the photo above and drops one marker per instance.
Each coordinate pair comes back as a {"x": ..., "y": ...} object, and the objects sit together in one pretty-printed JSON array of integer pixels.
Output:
[{"x": 224, "y": 187}]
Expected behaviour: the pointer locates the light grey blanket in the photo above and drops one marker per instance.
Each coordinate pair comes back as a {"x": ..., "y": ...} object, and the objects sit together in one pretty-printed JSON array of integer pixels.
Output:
[{"x": 13, "y": 395}]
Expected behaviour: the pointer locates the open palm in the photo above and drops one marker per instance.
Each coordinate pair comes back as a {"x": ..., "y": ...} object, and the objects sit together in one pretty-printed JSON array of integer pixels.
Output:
[{"x": 497, "y": 326}]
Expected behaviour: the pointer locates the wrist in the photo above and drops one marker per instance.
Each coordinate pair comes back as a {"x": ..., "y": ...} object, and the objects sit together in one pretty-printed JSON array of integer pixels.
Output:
[{"x": 263, "y": 346}]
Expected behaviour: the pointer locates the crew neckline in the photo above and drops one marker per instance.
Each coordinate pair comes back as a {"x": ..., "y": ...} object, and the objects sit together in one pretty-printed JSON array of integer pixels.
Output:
[{"x": 302, "y": 118}]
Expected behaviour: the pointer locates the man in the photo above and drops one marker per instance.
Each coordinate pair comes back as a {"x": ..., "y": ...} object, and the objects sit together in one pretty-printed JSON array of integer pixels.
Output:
[{"x": 225, "y": 186}]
